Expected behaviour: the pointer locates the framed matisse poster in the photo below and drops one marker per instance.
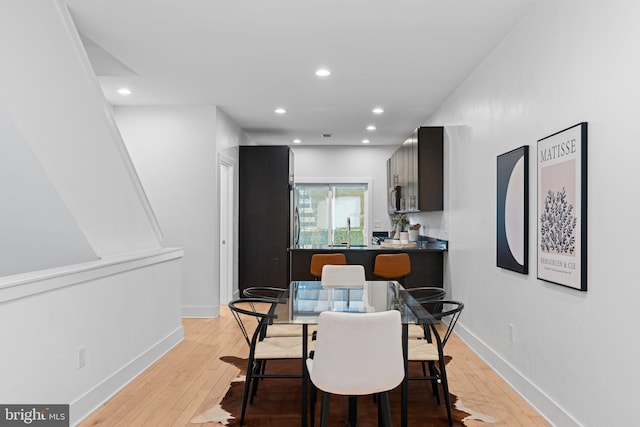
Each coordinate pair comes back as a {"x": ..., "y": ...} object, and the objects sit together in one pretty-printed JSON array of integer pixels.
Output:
[
  {"x": 512, "y": 211},
  {"x": 562, "y": 207}
]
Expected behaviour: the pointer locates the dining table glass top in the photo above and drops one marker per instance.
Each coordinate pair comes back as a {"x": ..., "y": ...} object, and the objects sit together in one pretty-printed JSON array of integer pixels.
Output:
[{"x": 305, "y": 301}]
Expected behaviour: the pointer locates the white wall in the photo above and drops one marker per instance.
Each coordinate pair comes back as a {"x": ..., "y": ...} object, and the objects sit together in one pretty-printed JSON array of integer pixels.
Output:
[
  {"x": 174, "y": 151},
  {"x": 574, "y": 355},
  {"x": 37, "y": 229},
  {"x": 122, "y": 309},
  {"x": 349, "y": 162},
  {"x": 48, "y": 88},
  {"x": 229, "y": 137}
]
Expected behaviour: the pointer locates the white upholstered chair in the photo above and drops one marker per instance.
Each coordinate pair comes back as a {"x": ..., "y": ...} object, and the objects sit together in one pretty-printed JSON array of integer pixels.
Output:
[
  {"x": 357, "y": 354},
  {"x": 342, "y": 277}
]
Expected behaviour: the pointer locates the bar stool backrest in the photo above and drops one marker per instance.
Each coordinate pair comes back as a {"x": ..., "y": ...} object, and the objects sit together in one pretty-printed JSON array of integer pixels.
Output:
[
  {"x": 392, "y": 266},
  {"x": 320, "y": 260}
]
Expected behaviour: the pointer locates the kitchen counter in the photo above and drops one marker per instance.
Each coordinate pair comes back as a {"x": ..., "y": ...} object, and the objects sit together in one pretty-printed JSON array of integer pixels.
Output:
[
  {"x": 428, "y": 245},
  {"x": 426, "y": 260}
]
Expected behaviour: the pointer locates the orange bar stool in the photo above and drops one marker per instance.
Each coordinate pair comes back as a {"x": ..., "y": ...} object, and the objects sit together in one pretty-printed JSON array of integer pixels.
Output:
[
  {"x": 320, "y": 260},
  {"x": 392, "y": 266}
]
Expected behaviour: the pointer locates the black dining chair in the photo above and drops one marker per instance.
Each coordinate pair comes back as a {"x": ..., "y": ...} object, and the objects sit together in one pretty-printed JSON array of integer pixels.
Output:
[
  {"x": 261, "y": 347},
  {"x": 277, "y": 296},
  {"x": 265, "y": 292},
  {"x": 430, "y": 298},
  {"x": 431, "y": 350}
]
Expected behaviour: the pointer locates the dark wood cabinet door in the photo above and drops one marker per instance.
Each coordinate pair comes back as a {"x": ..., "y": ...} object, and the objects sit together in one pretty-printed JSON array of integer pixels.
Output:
[
  {"x": 430, "y": 168},
  {"x": 264, "y": 209},
  {"x": 417, "y": 169}
]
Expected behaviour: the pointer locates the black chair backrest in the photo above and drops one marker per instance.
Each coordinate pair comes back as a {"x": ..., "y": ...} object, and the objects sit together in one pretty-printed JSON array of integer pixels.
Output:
[
  {"x": 429, "y": 297},
  {"x": 248, "y": 307},
  {"x": 451, "y": 309},
  {"x": 264, "y": 292}
]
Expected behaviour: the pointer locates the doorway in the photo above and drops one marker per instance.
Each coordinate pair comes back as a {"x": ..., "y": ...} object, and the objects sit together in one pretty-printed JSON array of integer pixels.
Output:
[{"x": 225, "y": 227}]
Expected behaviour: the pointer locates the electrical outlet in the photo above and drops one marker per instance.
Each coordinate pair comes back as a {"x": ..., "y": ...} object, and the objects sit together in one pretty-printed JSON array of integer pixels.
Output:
[
  {"x": 82, "y": 357},
  {"x": 377, "y": 224},
  {"x": 512, "y": 333}
]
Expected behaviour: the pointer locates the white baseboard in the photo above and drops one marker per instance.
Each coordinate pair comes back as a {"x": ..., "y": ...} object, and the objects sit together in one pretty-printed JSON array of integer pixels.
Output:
[
  {"x": 537, "y": 398},
  {"x": 94, "y": 398},
  {"x": 200, "y": 311}
]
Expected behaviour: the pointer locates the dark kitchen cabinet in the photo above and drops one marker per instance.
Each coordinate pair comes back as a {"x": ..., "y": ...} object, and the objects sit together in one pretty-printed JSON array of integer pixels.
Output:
[
  {"x": 265, "y": 177},
  {"x": 415, "y": 173}
]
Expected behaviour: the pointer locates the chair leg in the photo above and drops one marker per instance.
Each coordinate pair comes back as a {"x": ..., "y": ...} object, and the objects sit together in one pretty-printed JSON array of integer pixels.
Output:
[
  {"x": 384, "y": 412},
  {"x": 324, "y": 414},
  {"x": 353, "y": 411},
  {"x": 434, "y": 382},
  {"x": 259, "y": 370},
  {"x": 445, "y": 389},
  {"x": 247, "y": 384},
  {"x": 312, "y": 409}
]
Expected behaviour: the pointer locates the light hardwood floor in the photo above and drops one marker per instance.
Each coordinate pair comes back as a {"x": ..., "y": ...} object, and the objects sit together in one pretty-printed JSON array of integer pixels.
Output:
[{"x": 191, "y": 378}]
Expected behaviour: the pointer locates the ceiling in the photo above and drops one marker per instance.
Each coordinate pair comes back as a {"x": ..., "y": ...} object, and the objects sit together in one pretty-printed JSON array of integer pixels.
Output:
[{"x": 250, "y": 57}]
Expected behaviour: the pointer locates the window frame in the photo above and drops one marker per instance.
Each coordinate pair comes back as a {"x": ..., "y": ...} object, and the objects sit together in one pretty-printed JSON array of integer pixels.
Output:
[{"x": 368, "y": 202}]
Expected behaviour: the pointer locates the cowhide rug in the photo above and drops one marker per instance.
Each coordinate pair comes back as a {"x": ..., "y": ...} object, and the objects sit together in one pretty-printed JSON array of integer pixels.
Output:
[{"x": 277, "y": 403}]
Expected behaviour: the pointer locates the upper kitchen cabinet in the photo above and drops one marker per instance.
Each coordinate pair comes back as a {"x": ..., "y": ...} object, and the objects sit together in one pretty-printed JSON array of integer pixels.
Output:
[
  {"x": 415, "y": 173},
  {"x": 265, "y": 177}
]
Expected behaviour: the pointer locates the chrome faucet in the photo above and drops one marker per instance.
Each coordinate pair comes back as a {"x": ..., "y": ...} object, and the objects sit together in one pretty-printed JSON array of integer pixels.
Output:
[{"x": 348, "y": 232}]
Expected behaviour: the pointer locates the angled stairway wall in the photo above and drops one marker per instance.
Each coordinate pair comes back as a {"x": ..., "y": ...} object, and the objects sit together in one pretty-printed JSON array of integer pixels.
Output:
[
  {"x": 82, "y": 269},
  {"x": 37, "y": 229}
]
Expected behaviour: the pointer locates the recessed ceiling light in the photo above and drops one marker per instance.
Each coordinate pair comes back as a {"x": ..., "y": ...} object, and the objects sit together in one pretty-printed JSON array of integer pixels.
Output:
[
  {"x": 365, "y": 141},
  {"x": 371, "y": 127},
  {"x": 297, "y": 141},
  {"x": 280, "y": 111},
  {"x": 378, "y": 110},
  {"x": 323, "y": 72},
  {"x": 124, "y": 91}
]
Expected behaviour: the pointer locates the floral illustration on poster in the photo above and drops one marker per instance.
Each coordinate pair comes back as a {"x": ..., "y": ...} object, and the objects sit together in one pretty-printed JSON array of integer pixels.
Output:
[{"x": 562, "y": 207}]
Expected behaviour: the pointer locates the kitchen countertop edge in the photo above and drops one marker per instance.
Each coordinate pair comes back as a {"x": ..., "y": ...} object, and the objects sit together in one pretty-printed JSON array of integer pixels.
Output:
[{"x": 437, "y": 246}]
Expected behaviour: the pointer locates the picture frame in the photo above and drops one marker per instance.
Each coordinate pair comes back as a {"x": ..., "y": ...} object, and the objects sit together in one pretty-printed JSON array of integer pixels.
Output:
[
  {"x": 512, "y": 210},
  {"x": 562, "y": 207}
]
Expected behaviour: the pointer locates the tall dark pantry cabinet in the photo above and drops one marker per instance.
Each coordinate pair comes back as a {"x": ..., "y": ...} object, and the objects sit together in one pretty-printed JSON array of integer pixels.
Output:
[{"x": 266, "y": 176}]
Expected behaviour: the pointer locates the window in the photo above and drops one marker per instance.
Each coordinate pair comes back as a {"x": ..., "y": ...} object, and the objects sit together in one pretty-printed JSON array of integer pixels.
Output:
[{"x": 323, "y": 211}]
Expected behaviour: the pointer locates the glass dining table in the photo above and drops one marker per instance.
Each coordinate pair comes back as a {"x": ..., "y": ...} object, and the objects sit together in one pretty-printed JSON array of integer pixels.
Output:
[{"x": 305, "y": 300}]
